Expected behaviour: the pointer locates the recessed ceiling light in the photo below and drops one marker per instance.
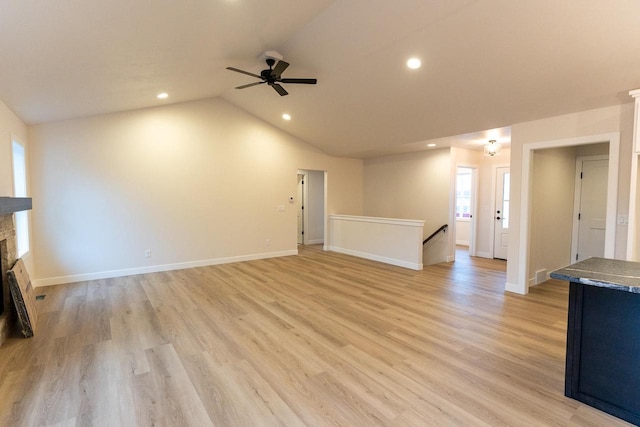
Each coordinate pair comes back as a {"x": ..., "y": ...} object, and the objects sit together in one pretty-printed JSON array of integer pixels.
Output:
[
  {"x": 414, "y": 63},
  {"x": 163, "y": 95},
  {"x": 431, "y": 145},
  {"x": 286, "y": 116}
]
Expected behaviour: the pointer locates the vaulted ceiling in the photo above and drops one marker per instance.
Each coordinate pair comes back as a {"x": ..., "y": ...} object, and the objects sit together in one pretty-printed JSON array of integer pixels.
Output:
[{"x": 486, "y": 64}]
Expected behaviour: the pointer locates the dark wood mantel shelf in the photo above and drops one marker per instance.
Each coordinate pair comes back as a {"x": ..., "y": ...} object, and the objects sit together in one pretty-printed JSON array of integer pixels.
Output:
[{"x": 9, "y": 205}]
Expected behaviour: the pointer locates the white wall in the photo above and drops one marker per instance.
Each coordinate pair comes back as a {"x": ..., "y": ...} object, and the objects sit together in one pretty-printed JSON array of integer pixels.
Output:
[
  {"x": 411, "y": 186},
  {"x": 618, "y": 118},
  {"x": 193, "y": 182},
  {"x": 12, "y": 127}
]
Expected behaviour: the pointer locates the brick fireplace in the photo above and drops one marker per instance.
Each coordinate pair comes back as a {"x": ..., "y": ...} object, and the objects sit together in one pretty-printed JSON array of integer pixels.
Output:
[{"x": 8, "y": 205}]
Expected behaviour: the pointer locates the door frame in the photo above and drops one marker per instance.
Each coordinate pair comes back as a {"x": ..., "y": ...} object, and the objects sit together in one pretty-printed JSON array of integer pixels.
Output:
[
  {"x": 494, "y": 195},
  {"x": 524, "y": 223},
  {"x": 305, "y": 212},
  {"x": 302, "y": 202},
  {"x": 577, "y": 195},
  {"x": 305, "y": 192}
]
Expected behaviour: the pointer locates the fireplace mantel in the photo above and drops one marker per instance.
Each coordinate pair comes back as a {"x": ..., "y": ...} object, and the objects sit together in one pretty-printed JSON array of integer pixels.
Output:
[{"x": 9, "y": 205}]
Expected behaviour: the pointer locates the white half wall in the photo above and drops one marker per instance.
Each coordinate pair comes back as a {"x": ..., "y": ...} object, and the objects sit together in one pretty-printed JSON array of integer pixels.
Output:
[{"x": 392, "y": 241}]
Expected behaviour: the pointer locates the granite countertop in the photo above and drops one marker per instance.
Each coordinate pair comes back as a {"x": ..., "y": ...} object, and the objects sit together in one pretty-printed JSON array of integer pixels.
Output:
[{"x": 604, "y": 273}]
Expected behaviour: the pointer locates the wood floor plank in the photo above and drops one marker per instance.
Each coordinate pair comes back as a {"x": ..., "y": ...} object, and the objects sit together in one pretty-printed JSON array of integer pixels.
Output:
[{"x": 318, "y": 339}]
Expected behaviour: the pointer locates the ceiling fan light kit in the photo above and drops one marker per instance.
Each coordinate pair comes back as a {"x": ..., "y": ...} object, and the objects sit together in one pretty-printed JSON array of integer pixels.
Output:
[{"x": 273, "y": 75}]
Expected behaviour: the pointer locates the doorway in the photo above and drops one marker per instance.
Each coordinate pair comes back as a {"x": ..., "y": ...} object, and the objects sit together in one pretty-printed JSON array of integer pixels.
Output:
[
  {"x": 518, "y": 277},
  {"x": 311, "y": 207},
  {"x": 465, "y": 213},
  {"x": 300, "y": 208},
  {"x": 590, "y": 207}
]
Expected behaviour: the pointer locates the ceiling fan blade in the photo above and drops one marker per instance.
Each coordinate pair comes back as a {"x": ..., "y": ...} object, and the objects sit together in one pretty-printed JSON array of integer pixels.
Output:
[
  {"x": 250, "y": 84},
  {"x": 244, "y": 72},
  {"x": 280, "y": 89},
  {"x": 279, "y": 68},
  {"x": 300, "y": 81}
]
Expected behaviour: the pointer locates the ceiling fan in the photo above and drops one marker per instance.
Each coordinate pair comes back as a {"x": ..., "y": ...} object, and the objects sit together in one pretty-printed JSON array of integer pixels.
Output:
[{"x": 273, "y": 77}]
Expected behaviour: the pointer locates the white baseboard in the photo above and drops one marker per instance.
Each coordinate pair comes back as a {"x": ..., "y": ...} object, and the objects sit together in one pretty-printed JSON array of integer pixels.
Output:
[
  {"x": 515, "y": 288},
  {"x": 156, "y": 268},
  {"x": 462, "y": 242},
  {"x": 451, "y": 258},
  {"x": 315, "y": 242},
  {"x": 484, "y": 255},
  {"x": 378, "y": 258}
]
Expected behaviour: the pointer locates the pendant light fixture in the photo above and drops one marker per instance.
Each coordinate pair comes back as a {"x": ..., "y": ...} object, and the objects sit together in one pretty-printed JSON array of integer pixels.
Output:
[{"x": 492, "y": 148}]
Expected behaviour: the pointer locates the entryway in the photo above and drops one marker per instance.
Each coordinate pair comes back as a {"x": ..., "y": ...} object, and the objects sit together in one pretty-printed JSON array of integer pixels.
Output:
[{"x": 311, "y": 207}]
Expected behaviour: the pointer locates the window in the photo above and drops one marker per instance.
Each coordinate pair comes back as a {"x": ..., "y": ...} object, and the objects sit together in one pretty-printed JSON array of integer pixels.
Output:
[
  {"x": 505, "y": 200},
  {"x": 20, "y": 190},
  {"x": 463, "y": 194}
]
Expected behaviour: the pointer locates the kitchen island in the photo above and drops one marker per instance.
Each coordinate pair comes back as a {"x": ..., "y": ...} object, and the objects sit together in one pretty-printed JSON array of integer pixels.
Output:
[{"x": 603, "y": 335}]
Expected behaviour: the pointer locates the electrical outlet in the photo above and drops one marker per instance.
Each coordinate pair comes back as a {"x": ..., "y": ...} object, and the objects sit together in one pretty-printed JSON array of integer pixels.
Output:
[
  {"x": 267, "y": 242},
  {"x": 147, "y": 253}
]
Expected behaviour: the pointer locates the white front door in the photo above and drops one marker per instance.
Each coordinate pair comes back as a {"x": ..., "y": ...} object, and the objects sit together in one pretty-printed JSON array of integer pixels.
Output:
[
  {"x": 501, "y": 214},
  {"x": 593, "y": 209}
]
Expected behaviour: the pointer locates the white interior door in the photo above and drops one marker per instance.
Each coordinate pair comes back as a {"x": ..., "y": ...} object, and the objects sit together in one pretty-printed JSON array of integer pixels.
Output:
[
  {"x": 501, "y": 213},
  {"x": 593, "y": 209},
  {"x": 300, "y": 209}
]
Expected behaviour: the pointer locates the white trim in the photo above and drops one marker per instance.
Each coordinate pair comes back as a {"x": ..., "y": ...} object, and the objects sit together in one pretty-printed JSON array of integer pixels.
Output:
[
  {"x": 484, "y": 255},
  {"x": 577, "y": 199},
  {"x": 157, "y": 268},
  {"x": 315, "y": 242},
  {"x": 450, "y": 258},
  {"x": 632, "y": 245},
  {"x": 377, "y": 220},
  {"x": 378, "y": 258},
  {"x": 305, "y": 216},
  {"x": 326, "y": 210},
  {"x": 462, "y": 243},
  {"x": 515, "y": 288},
  {"x": 613, "y": 139},
  {"x": 636, "y": 119},
  {"x": 633, "y": 196}
]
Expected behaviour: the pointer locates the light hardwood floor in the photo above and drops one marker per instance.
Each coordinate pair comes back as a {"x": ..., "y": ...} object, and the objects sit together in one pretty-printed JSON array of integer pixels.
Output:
[{"x": 318, "y": 339}]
